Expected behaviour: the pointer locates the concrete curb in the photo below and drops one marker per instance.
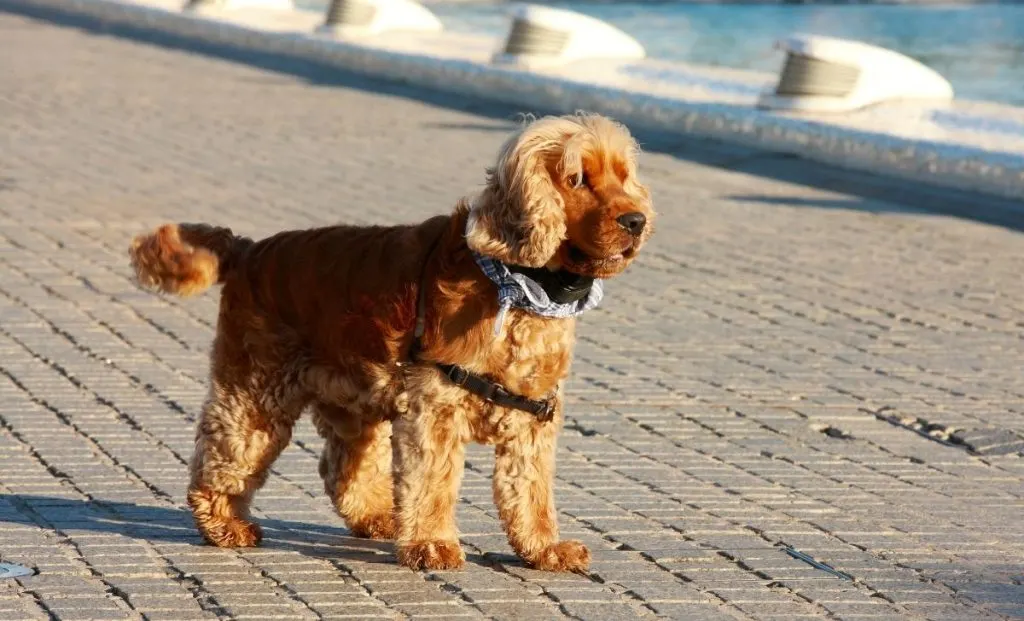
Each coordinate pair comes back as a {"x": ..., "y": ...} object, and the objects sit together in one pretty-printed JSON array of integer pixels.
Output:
[{"x": 939, "y": 164}]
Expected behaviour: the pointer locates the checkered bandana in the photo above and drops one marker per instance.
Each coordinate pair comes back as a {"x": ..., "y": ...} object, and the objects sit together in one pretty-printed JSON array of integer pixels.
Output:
[{"x": 522, "y": 292}]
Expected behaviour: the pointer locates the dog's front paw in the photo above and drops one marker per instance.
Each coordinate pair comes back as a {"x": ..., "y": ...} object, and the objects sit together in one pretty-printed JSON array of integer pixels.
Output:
[
  {"x": 431, "y": 555},
  {"x": 567, "y": 555},
  {"x": 376, "y": 527},
  {"x": 232, "y": 533}
]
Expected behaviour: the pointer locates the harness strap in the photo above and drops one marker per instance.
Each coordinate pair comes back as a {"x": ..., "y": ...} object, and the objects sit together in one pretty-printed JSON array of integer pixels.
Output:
[
  {"x": 492, "y": 392},
  {"x": 495, "y": 393}
]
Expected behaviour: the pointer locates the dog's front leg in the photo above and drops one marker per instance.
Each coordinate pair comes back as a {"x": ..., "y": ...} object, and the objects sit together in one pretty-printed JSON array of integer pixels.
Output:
[
  {"x": 428, "y": 460},
  {"x": 524, "y": 472}
]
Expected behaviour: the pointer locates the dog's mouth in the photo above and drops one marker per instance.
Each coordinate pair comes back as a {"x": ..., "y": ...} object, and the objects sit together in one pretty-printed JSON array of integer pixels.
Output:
[
  {"x": 579, "y": 261},
  {"x": 577, "y": 255}
]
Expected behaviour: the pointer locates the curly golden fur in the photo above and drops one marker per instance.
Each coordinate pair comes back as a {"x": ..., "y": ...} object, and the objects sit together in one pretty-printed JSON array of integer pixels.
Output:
[{"x": 324, "y": 319}]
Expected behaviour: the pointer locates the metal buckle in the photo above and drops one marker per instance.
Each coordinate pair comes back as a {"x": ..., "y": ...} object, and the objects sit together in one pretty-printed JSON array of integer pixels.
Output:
[
  {"x": 457, "y": 375},
  {"x": 494, "y": 391},
  {"x": 548, "y": 412}
]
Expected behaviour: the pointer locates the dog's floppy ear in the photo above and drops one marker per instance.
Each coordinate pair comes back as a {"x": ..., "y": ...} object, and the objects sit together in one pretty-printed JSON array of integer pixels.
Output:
[{"x": 520, "y": 218}]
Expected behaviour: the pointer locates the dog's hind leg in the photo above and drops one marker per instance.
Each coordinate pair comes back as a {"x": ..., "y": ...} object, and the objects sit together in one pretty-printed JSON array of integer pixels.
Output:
[
  {"x": 356, "y": 468},
  {"x": 245, "y": 424}
]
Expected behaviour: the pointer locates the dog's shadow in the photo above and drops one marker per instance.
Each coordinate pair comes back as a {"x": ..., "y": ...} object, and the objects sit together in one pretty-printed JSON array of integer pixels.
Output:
[{"x": 167, "y": 524}]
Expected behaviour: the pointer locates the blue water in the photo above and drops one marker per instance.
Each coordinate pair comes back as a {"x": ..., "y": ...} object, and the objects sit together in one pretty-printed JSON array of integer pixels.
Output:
[{"x": 979, "y": 48}]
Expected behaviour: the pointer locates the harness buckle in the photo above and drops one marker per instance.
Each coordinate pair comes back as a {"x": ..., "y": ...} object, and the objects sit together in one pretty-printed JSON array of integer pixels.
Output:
[
  {"x": 495, "y": 392},
  {"x": 457, "y": 375},
  {"x": 548, "y": 412}
]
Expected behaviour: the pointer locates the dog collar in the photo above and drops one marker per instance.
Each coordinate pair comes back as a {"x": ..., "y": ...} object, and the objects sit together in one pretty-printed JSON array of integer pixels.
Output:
[
  {"x": 518, "y": 289},
  {"x": 536, "y": 289},
  {"x": 562, "y": 287}
]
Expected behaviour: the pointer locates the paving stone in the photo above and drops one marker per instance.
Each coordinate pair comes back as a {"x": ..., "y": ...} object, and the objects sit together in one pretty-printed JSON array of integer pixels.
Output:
[
  {"x": 354, "y": 610},
  {"x": 87, "y": 613},
  {"x": 611, "y": 611},
  {"x": 178, "y": 615},
  {"x": 693, "y": 612},
  {"x": 519, "y": 610}
]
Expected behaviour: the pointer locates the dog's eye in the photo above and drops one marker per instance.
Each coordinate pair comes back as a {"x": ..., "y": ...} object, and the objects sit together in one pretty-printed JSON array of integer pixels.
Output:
[{"x": 581, "y": 180}]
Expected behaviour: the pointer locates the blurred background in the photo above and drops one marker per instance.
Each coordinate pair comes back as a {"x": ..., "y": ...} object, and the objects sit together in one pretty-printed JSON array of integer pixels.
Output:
[{"x": 978, "y": 47}]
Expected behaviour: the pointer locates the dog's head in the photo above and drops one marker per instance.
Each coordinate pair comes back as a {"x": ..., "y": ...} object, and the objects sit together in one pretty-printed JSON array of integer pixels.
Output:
[{"x": 564, "y": 194}]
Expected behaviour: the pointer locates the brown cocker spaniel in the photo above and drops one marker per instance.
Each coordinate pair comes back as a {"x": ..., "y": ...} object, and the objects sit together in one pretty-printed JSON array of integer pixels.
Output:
[{"x": 403, "y": 348}]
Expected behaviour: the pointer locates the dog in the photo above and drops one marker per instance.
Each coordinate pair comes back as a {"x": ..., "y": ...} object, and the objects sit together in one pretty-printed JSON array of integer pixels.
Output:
[{"x": 407, "y": 342}]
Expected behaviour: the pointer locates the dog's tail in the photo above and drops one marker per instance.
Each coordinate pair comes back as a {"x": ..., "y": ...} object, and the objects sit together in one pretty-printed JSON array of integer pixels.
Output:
[{"x": 185, "y": 259}]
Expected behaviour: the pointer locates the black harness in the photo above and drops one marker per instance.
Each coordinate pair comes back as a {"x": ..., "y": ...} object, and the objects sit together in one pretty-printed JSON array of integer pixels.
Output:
[{"x": 560, "y": 286}]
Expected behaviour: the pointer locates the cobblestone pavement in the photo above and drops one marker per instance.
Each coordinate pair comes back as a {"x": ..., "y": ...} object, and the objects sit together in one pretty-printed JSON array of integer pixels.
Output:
[{"x": 786, "y": 366}]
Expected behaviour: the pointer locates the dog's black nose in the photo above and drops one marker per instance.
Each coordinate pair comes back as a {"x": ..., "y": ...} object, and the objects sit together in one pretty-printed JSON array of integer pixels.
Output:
[{"x": 633, "y": 222}]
